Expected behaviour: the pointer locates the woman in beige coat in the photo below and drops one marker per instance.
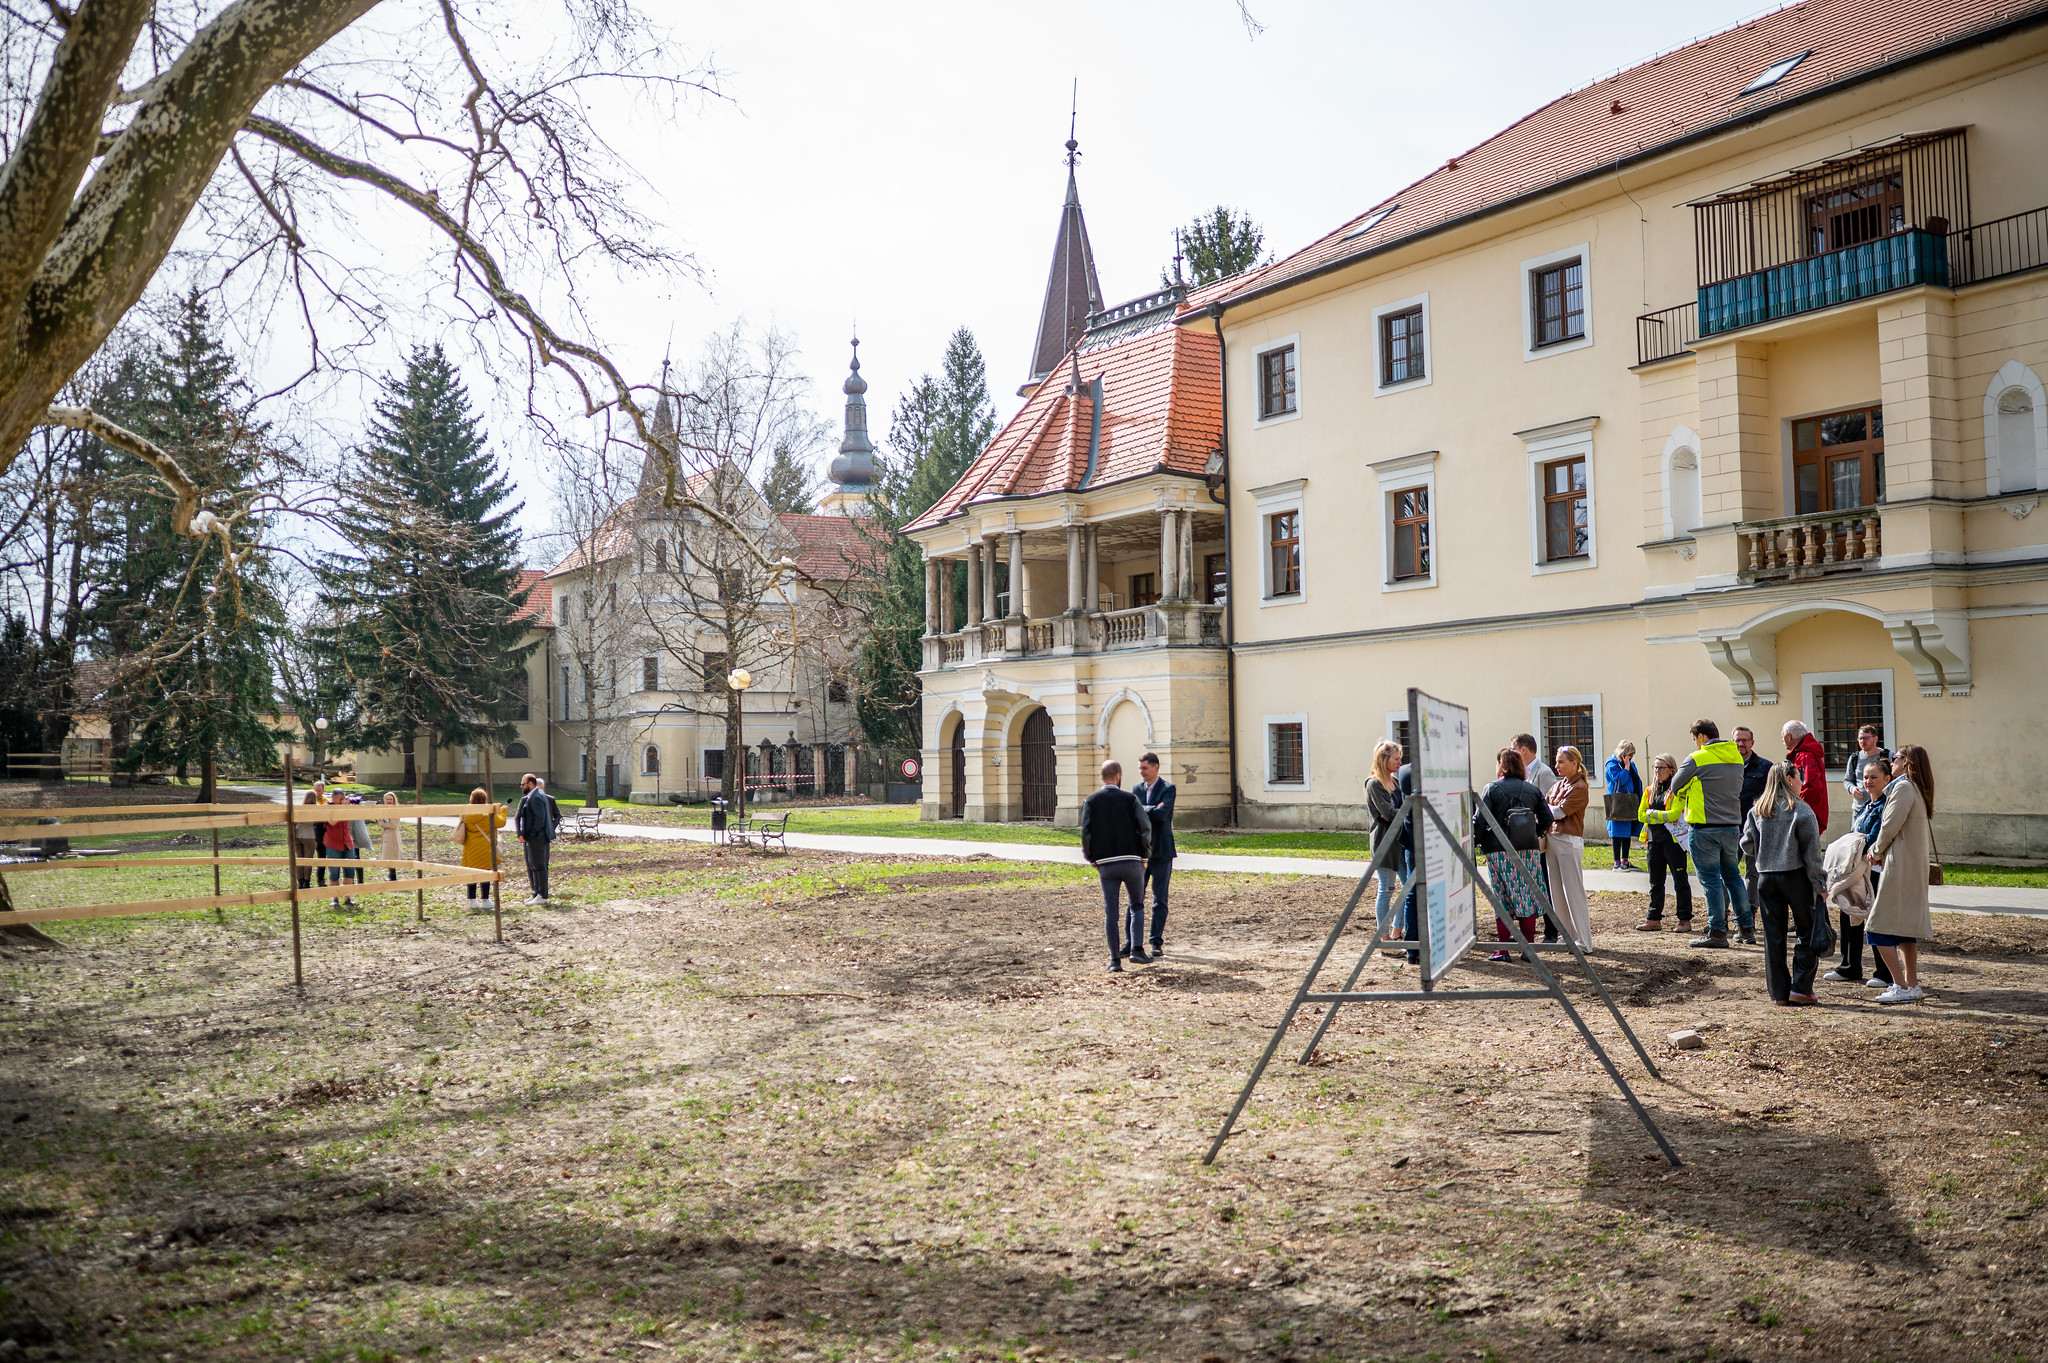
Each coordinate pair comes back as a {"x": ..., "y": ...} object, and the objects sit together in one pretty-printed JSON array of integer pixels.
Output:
[
  {"x": 1564, "y": 847},
  {"x": 1899, "y": 920}
]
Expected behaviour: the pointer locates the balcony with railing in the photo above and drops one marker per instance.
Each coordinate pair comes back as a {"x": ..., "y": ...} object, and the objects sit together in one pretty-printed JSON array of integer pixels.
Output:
[
  {"x": 1886, "y": 218},
  {"x": 1083, "y": 633},
  {"x": 1814, "y": 545}
]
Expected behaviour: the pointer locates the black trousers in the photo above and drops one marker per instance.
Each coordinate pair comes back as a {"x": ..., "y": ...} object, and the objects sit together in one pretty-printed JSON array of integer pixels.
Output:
[
  {"x": 1159, "y": 875},
  {"x": 1130, "y": 876},
  {"x": 1788, "y": 895},
  {"x": 1667, "y": 856},
  {"x": 537, "y": 850}
]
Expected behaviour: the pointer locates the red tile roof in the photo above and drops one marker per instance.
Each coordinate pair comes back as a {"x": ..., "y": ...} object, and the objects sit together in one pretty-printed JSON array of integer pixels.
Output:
[
  {"x": 833, "y": 548},
  {"x": 1162, "y": 408},
  {"x": 539, "y": 610},
  {"x": 1684, "y": 93}
]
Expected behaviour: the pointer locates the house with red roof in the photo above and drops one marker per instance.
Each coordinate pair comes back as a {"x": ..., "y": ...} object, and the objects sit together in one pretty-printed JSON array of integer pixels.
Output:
[
  {"x": 659, "y": 605},
  {"x": 1075, "y": 579},
  {"x": 1711, "y": 388}
]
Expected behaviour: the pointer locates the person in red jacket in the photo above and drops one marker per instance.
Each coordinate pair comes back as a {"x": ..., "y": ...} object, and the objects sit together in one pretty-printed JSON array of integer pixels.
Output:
[{"x": 1803, "y": 751}]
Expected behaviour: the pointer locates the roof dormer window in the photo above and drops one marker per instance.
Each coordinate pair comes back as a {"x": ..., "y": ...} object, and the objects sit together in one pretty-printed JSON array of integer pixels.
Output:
[
  {"x": 1374, "y": 221},
  {"x": 1774, "y": 73}
]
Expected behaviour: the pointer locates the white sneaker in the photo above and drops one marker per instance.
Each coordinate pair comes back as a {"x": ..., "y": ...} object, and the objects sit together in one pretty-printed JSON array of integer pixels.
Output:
[
  {"x": 1896, "y": 994},
  {"x": 1874, "y": 983},
  {"x": 1836, "y": 976},
  {"x": 1918, "y": 993},
  {"x": 533, "y": 899}
]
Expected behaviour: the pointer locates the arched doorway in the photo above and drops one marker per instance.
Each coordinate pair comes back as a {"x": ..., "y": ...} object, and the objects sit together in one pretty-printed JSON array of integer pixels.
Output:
[
  {"x": 959, "y": 746},
  {"x": 1041, "y": 786}
]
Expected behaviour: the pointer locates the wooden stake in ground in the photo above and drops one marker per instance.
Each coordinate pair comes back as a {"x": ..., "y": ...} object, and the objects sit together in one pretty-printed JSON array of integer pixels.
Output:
[
  {"x": 491, "y": 821},
  {"x": 216, "y": 860},
  {"x": 291, "y": 854},
  {"x": 419, "y": 835}
]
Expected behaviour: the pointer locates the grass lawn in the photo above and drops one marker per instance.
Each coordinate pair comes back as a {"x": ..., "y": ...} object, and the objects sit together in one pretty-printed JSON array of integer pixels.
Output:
[{"x": 817, "y": 1108}]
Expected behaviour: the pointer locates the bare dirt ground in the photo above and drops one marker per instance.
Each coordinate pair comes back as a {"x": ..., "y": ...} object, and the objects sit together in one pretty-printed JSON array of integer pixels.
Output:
[{"x": 821, "y": 1107}]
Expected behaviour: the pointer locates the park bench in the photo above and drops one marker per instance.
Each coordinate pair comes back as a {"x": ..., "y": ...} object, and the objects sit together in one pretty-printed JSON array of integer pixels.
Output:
[
  {"x": 758, "y": 831},
  {"x": 583, "y": 821}
]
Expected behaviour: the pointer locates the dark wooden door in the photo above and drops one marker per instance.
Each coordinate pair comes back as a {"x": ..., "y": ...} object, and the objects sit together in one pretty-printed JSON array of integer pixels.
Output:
[
  {"x": 1041, "y": 788},
  {"x": 611, "y": 779},
  {"x": 960, "y": 770}
]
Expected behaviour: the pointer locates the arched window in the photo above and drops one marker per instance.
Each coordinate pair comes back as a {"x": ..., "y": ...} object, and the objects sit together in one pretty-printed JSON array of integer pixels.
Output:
[
  {"x": 1681, "y": 483},
  {"x": 516, "y": 750},
  {"x": 650, "y": 761},
  {"x": 2015, "y": 431}
]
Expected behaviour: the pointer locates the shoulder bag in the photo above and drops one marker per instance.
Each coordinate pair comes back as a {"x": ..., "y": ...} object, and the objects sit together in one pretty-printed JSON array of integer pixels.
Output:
[{"x": 1933, "y": 861}]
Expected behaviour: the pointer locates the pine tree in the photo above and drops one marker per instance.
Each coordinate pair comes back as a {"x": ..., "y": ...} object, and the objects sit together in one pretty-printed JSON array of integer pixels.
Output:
[
  {"x": 190, "y": 640},
  {"x": 424, "y": 612},
  {"x": 938, "y": 428},
  {"x": 789, "y": 485},
  {"x": 1218, "y": 244}
]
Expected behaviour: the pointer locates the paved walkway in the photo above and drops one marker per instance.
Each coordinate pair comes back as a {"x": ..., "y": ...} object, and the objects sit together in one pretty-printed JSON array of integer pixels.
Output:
[{"x": 1942, "y": 898}]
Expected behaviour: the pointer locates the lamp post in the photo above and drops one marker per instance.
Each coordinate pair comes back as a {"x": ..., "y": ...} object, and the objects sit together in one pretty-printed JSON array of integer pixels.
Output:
[{"x": 739, "y": 679}]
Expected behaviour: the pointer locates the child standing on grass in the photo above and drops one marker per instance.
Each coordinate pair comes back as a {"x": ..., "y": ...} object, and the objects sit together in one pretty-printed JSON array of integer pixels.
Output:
[{"x": 394, "y": 839}]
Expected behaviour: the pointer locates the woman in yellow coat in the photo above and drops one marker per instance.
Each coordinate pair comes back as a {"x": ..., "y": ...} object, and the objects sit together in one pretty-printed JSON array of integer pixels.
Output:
[{"x": 476, "y": 829}]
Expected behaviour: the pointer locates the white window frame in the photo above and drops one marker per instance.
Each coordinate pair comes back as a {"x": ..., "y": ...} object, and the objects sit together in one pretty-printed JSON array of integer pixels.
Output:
[
  {"x": 704, "y": 766},
  {"x": 1547, "y": 445},
  {"x": 1274, "y": 499},
  {"x": 1530, "y": 350},
  {"x": 1809, "y": 680},
  {"x": 1379, "y": 368},
  {"x": 1596, "y": 761},
  {"x": 583, "y": 767},
  {"x": 1396, "y": 476},
  {"x": 1259, "y": 419},
  {"x": 1266, "y": 723},
  {"x": 1393, "y": 735}
]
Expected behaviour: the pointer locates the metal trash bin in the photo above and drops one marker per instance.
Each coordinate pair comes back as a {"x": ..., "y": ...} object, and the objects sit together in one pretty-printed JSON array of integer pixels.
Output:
[{"x": 718, "y": 808}]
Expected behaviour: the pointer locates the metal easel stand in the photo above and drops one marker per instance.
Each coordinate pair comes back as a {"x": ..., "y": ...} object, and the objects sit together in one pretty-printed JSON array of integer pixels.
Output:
[{"x": 1551, "y": 989}]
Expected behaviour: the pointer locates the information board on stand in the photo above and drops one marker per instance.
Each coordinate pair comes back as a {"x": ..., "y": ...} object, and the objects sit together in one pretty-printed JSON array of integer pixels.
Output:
[{"x": 1442, "y": 771}]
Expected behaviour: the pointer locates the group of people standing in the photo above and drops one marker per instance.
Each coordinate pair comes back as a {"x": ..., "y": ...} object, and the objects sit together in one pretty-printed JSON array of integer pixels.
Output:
[
  {"x": 344, "y": 838},
  {"x": 1752, "y": 828}
]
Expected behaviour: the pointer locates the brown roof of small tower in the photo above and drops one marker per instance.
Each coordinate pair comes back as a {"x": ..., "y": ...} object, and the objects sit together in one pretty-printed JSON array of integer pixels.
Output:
[{"x": 1072, "y": 292}]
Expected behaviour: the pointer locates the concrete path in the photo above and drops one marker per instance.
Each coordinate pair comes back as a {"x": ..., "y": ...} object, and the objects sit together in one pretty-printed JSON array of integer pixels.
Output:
[{"x": 1942, "y": 898}]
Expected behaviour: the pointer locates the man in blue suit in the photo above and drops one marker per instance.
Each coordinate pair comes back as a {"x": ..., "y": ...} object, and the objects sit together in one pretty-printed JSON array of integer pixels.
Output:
[{"x": 1155, "y": 796}]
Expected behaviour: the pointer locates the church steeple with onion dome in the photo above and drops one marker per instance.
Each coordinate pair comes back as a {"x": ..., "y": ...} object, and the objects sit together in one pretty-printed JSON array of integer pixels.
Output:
[{"x": 853, "y": 472}]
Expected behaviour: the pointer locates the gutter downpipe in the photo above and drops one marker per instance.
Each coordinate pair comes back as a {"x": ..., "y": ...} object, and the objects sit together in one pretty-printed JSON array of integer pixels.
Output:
[{"x": 1215, "y": 311}]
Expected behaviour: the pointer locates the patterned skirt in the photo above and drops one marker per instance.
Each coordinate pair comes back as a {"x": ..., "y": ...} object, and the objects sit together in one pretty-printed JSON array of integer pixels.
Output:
[{"x": 1518, "y": 879}]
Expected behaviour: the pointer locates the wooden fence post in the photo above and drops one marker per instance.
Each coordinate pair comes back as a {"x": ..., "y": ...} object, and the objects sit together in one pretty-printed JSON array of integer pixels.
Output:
[
  {"x": 291, "y": 854},
  {"x": 491, "y": 821}
]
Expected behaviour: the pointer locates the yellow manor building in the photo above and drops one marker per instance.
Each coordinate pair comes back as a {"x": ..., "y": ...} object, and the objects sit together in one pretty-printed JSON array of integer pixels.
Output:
[{"x": 1714, "y": 388}]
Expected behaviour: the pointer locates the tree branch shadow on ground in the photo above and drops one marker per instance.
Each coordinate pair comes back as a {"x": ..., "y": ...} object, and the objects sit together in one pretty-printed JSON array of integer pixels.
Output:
[{"x": 1773, "y": 1182}]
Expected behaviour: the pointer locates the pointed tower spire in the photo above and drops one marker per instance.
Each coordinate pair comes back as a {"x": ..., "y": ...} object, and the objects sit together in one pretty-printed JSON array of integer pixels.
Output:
[
  {"x": 854, "y": 469},
  {"x": 1071, "y": 290},
  {"x": 653, "y": 472}
]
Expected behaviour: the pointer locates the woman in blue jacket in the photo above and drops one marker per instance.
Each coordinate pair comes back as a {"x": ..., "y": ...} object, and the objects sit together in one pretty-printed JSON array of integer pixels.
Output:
[{"x": 1623, "y": 780}]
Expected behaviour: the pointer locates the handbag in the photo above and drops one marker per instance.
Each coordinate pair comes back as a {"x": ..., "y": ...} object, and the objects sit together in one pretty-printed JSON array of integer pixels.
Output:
[
  {"x": 1934, "y": 861},
  {"x": 1622, "y": 807}
]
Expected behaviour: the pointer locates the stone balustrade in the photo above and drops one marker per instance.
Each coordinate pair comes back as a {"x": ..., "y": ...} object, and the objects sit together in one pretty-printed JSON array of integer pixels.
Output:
[
  {"x": 1190, "y": 626},
  {"x": 1811, "y": 545}
]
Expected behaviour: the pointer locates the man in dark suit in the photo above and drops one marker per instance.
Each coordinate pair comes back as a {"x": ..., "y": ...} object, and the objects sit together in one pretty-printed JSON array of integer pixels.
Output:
[
  {"x": 1117, "y": 838},
  {"x": 535, "y": 823},
  {"x": 1155, "y": 795}
]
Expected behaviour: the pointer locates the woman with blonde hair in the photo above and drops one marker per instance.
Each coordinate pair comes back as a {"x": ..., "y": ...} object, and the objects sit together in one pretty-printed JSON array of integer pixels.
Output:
[
  {"x": 1382, "y": 807},
  {"x": 1899, "y": 919},
  {"x": 1781, "y": 839},
  {"x": 1565, "y": 849},
  {"x": 1665, "y": 836},
  {"x": 393, "y": 839},
  {"x": 476, "y": 827}
]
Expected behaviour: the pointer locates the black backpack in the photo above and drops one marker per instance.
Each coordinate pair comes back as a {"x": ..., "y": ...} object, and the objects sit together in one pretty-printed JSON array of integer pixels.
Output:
[{"x": 1521, "y": 826}]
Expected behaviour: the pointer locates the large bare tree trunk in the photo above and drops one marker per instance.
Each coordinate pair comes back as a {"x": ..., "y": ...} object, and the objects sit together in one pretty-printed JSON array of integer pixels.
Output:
[
  {"x": 411, "y": 763},
  {"x": 209, "y": 780}
]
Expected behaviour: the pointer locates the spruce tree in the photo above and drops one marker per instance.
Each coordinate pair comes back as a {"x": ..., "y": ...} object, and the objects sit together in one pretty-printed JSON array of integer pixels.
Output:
[
  {"x": 790, "y": 484},
  {"x": 190, "y": 640},
  {"x": 938, "y": 428},
  {"x": 424, "y": 609},
  {"x": 1217, "y": 245}
]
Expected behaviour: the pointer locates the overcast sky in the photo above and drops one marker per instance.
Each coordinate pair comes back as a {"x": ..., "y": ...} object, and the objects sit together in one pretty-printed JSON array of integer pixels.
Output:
[{"x": 901, "y": 164}]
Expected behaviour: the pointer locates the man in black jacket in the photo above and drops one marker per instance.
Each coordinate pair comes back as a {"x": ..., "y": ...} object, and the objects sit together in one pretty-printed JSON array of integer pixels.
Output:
[
  {"x": 1155, "y": 793},
  {"x": 535, "y": 822},
  {"x": 1116, "y": 836},
  {"x": 1756, "y": 769}
]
